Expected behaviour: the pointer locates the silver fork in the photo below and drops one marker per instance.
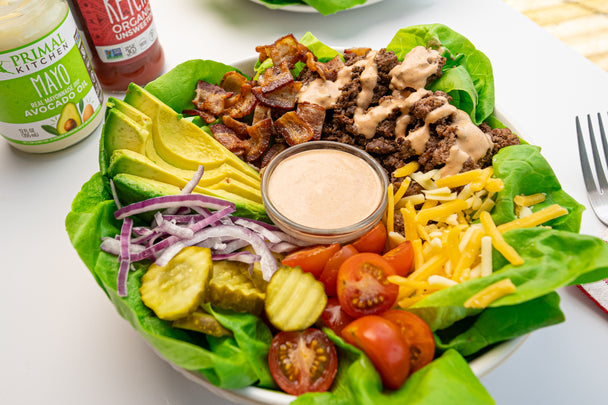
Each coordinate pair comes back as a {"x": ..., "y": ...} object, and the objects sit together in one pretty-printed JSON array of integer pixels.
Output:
[{"x": 598, "y": 196}]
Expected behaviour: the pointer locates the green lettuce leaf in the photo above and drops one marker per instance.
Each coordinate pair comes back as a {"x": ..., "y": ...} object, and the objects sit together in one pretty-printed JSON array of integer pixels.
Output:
[
  {"x": 177, "y": 87},
  {"x": 525, "y": 171},
  {"x": 498, "y": 324},
  {"x": 467, "y": 74}
]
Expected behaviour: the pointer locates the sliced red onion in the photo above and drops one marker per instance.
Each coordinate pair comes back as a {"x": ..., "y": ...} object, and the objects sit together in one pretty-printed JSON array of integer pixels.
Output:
[
  {"x": 244, "y": 257},
  {"x": 189, "y": 187},
  {"x": 142, "y": 231},
  {"x": 282, "y": 247},
  {"x": 115, "y": 194},
  {"x": 171, "y": 228},
  {"x": 125, "y": 256},
  {"x": 213, "y": 244},
  {"x": 184, "y": 218},
  {"x": 267, "y": 261},
  {"x": 233, "y": 246},
  {"x": 293, "y": 240},
  {"x": 113, "y": 246},
  {"x": 266, "y": 225},
  {"x": 151, "y": 251},
  {"x": 172, "y": 201},
  {"x": 256, "y": 227}
]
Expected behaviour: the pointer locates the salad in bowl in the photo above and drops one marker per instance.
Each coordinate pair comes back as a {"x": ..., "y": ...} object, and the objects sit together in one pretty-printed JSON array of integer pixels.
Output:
[{"x": 474, "y": 235}]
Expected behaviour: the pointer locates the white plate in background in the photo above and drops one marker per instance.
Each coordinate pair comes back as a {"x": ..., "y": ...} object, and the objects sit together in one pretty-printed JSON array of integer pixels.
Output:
[{"x": 304, "y": 8}]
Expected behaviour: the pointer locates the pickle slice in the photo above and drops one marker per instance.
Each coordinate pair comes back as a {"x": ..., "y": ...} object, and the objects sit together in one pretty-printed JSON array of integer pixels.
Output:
[
  {"x": 231, "y": 287},
  {"x": 294, "y": 299},
  {"x": 175, "y": 290},
  {"x": 201, "y": 321}
]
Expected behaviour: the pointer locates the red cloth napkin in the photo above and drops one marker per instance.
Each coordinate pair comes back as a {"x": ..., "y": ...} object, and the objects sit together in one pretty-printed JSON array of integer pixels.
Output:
[{"x": 598, "y": 292}]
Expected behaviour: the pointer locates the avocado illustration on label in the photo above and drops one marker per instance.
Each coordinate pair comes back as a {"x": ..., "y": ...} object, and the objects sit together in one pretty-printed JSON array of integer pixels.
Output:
[{"x": 69, "y": 118}]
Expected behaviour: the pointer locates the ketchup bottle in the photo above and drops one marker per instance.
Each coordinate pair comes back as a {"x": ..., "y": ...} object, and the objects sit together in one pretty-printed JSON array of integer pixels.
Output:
[{"x": 122, "y": 40}]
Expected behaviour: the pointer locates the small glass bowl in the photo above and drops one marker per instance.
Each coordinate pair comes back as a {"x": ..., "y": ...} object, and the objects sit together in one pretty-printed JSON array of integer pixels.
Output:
[{"x": 320, "y": 235}]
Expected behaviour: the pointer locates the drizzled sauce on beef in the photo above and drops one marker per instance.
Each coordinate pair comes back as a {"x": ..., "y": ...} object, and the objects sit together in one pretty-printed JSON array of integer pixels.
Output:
[{"x": 410, "y": 112}]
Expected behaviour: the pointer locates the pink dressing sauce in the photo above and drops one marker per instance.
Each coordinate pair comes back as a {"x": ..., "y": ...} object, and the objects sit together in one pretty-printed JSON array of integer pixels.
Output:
[{"x": 325, "y": 189}]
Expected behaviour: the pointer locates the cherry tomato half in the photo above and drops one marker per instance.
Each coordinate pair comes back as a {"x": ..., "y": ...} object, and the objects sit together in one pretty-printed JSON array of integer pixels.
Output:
[
  {"x": 383, "y": 343},
  {"x": 334, "y": 317},
  {"x": 303, "y": 361},
  {"x": 401, "y": 257},
  {"x": 372, "y": 241},
  {"x": 363, "y": 288},
  {"x": 311, "y": 259},
  {"x": 329, "y": 275},
  {"x": 418, "y": 335}
]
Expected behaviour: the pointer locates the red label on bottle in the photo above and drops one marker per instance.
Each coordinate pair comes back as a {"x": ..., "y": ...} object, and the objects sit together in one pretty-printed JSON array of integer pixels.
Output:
[{"x": 120, "y": 29}]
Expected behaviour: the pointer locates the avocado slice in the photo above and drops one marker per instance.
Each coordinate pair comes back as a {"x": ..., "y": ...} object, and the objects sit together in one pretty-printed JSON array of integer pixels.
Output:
[
  {"x": 122, "y": 132},
  {"x": 132, "y": 188},
  {"x": 140, "y": 118},
  {"x": 130, "y": 162},
  {"x": 210, "y": 176},
  {"x": 221, "y": 178},
  {"x": 68, "y": 119},
  {"x": 180, "y": 142}
]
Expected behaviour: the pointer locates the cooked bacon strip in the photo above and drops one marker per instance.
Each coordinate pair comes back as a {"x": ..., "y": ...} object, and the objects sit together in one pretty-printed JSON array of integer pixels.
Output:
[
  {"x": 239, "y": 127},
  {"x": 259, "y": 141},
  {"x": 275, "y": 77},
  {"x": 243, "y": 103},
  {"x": 358, "y": 51},
  {"x": 232, "y": 81},
  {"x": 274, "y": 150},
  {"x": 205, "y": 116},
  {"x": 313, "y": 115},
  {"x": 261, "y": 112},
  {"x": 293, "y": 129},
  {"x": 283, "y": 98},
  {"x": 210, "y": 97},
  {"x": 286, "y": 48},
  {"x": 228, "y": 138}
]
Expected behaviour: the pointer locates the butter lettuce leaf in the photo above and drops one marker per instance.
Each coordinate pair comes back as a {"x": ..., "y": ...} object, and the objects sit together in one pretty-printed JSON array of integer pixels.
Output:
[
  {"x": 177, "y": 87},
  {"x": 468, "y": 76}
]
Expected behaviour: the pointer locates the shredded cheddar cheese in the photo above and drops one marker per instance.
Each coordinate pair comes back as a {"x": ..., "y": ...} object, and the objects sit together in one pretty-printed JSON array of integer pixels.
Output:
[
  {"x": 449, "y": 247},
  {"x": 534, "y": 219},
  {"x": 498, "y": 241},
  {"x": 390, "y": 211},
  {"x": 529, "y": 200},
  {"x": 406, "y": 170},
  {"x": 490, "y": 294}
]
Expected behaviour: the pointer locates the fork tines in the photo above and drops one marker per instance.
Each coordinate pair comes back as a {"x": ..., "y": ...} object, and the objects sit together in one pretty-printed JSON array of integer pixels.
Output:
[{"x": 595, "y": 181}]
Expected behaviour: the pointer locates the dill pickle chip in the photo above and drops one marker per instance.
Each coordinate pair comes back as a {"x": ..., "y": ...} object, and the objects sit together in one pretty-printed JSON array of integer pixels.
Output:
[
  {"x": 175, "y": 290},
  {"x": 231, "y": 287},
  {"x": 294, "y": 299},
  {"x": 201, "y": 321}
]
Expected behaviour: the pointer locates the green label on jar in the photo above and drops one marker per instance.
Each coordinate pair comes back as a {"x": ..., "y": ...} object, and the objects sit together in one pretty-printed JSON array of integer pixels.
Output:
[{"x": 47, "y": 91}]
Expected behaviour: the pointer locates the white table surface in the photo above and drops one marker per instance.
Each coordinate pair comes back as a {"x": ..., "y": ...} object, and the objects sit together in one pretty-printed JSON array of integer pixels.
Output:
[{"x": 62, "y": 342}]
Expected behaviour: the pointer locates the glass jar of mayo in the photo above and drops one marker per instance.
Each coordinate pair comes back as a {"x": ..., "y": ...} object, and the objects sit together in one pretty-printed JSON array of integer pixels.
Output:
[{"x": 49, "y": 95}]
